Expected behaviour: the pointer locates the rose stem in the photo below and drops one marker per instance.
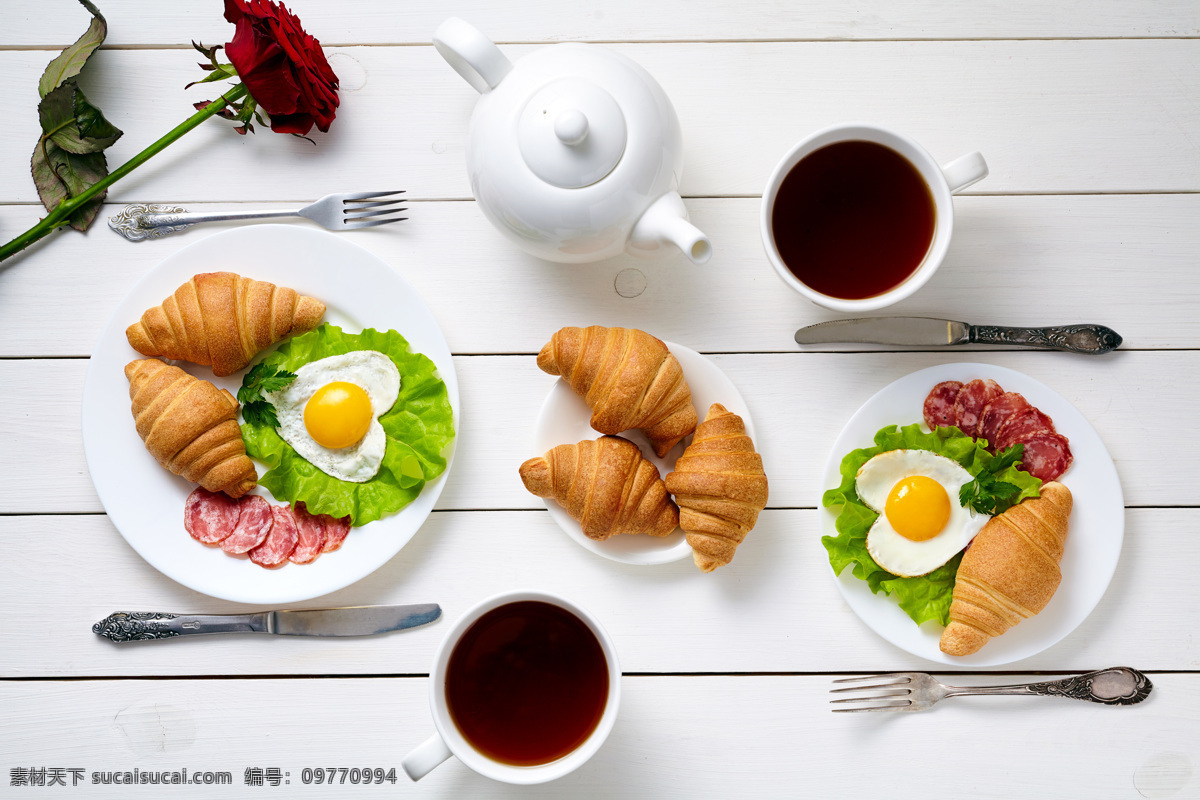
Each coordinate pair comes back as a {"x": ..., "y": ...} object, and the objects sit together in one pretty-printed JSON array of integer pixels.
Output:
[{"x": 63, "y": 211}]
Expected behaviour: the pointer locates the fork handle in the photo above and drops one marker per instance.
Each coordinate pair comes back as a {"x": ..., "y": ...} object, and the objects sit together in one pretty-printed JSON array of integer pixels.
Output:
[
  {"x": 192, "y": 217},
  {"x": 1115, "y": 686}
]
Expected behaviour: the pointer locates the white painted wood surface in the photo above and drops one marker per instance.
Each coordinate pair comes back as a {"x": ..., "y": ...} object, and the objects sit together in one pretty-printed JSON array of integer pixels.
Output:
[
  {"x": 717, "y": 736},
  {"x": 1089, "y": 116}
]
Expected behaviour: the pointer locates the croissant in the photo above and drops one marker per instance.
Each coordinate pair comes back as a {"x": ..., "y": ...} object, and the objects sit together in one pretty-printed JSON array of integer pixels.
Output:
[
  {"x": 223, "y": 319},
  {"x": 720, "y": 487},
  {"x": 1010, "y": 571},
  {"x": 190, "y": 427},
  {"x": 628, "y": 378},
  {"x": 606, "y": 485}
]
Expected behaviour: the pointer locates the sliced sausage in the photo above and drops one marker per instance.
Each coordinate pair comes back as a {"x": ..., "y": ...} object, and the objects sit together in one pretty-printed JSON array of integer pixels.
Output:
[
  {"x": 1047, "y": 455},
  {"x": 254, "y": 523},
  {"x": 939, "y": 404},
  {"x": 972, "y": 399},
  {"x": 1024, "y": 422},
  {"x": 996, "y": 413},
  {"x": 210, "y": 516},
  {"x": 311, "y": 535},
  {"x": 281, "y": 539},
  {"x": 336, "y": 531}
]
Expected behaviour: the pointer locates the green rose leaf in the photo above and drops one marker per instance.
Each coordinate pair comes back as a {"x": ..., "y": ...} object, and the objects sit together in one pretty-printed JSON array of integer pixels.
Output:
[
  {"x": 73, "y": 123},
  {"x": 69, "y": 62},
  {"x": 59, "y": 174},
  {"x": 69, "y": 157}
]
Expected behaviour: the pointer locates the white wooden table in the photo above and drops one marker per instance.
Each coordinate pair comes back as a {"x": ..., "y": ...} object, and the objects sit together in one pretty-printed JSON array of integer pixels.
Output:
[{"x": 1089, "y": 117}]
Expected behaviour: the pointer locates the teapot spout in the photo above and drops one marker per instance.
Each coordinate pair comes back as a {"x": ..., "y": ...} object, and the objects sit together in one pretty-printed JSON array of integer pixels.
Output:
[{"x": 666, "y": 222}]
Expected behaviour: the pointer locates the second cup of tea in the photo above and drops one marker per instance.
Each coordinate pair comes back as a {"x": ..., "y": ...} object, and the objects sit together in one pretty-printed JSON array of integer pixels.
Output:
[{"x": 857, "y": 217}]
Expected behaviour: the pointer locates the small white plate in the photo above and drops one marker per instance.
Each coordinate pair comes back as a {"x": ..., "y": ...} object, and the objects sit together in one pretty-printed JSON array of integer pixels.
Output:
[
  {"x": 1097, "y": 525},
  {"x": 566, "y": 419},
  {"x": 145, "y": 502}
]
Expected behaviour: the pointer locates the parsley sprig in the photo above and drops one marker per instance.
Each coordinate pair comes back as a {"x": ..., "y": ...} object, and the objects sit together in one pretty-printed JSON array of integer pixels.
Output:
[
  {"x": 987, "y": 494},
  {"x": 262, "y": 378}
]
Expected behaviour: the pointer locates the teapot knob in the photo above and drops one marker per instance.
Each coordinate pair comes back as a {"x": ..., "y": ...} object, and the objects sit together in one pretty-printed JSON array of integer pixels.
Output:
[{"x": 571, "y": 127}]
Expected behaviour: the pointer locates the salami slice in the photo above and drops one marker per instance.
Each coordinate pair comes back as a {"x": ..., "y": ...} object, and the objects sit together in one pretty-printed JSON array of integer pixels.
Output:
[
  {"x": 997, "y": 412},
  {"x": 1047, "y": 455},
  {"x": 281, "y": 539},
  {"x": 210, "y": 516},
  {"x": 972, "y": 399},
  {"x": 254, "y": 523},
  {"x": 311, "y": 535},
  {"x": 1024, "y": 422},
  {"x": 939, "y": 404},
  {"x": 336, "y": 531}
]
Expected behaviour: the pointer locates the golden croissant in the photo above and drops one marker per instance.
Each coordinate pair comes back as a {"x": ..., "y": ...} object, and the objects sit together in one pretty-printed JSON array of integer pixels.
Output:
[
  {"x": 1010, "y": 571},
  {"x": 605, "y": 485},
  {"x": 224, "y": 320},
  {"x": 720, "y": 487},
  {"x": 628, "y": 378},
  {"x": 190, "y": 427}
]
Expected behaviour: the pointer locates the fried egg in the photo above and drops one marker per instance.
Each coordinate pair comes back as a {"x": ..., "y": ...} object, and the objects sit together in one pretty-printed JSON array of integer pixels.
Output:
[
  {"x": 921, "y": 524},
  {"x": 330, "y": 412}
]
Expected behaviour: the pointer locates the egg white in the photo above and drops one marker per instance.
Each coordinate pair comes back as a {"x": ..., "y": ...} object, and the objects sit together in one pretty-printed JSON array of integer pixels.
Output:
[
  {"x": 376, "y": 375},
  {"x": 900, "y": 555}
]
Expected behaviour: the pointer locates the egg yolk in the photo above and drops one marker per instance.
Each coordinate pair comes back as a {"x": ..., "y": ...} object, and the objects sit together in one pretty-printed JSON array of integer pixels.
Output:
[
  {"x": 918, "y": 508},
  {"x": 338, "y": 415}
]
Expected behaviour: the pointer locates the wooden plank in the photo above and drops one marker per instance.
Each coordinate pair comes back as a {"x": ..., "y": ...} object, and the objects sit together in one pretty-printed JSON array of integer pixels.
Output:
[
  {"x": 404, "y": 116},
  {"x": 773, "y": 735},
  {"x": 1140, "y": 402},
  {"x": 776, "y": 608},
  {"x": 1029, "y": 260},
  {"x": 371, "y": 21}
]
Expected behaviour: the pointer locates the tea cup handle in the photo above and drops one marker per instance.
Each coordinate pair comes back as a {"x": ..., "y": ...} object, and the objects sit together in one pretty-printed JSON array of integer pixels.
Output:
[
  {"x": 965, "y": 171},
  {"x": 422, "y": 760},
  {"x": 472, "y": 54}
]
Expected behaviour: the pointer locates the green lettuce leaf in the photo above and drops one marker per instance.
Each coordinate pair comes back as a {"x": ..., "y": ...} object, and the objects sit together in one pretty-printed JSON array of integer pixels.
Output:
[
  {"x": 924, "y": 597},
  {"x": 419, "y": 427}
]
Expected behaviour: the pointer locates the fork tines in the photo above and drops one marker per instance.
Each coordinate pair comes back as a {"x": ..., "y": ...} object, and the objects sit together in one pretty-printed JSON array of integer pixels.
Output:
[
  {"x": 357, "y": 212},
  {"x": 897, "y": 692}
]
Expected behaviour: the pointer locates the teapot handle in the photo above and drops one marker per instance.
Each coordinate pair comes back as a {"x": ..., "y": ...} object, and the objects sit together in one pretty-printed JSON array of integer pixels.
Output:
[{"x": 472, "y": 54}]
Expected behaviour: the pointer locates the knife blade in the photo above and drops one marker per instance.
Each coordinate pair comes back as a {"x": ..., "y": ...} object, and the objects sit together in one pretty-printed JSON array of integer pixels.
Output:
[
  {"x": 1089, "y": 339},
  {"x": 128, "y": 626}
]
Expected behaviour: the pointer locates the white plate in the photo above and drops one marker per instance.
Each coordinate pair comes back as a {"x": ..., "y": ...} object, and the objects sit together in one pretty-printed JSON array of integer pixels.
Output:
[
  {"x": 145, "y": 501},
  {"x": 1096, "y": 531},
  {"x": 566, "y": 419}
]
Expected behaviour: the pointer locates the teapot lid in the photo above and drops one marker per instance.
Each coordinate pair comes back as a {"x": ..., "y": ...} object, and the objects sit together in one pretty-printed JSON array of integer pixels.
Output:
[{"x": 571, "y": 133}]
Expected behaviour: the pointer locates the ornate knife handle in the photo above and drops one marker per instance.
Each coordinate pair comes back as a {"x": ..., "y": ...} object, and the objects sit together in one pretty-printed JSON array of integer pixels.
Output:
[
  {"x": 1089, "y": 339},
  {"x": 1115, "y": 686},
  {"x": 130, "y": 626}
]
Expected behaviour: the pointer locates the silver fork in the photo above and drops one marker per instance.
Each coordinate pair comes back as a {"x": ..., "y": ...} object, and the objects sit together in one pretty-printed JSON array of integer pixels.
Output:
[
  {"x": 917, "y": 691},
  {"x": 338, "y": 212}
]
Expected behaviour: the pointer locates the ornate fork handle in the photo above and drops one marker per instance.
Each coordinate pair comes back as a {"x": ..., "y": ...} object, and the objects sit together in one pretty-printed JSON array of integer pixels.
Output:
[
  {"x": 1090, "y": 339},
  {"x": 1116, "y": 686},
  {"x": 140, "y": 221}
]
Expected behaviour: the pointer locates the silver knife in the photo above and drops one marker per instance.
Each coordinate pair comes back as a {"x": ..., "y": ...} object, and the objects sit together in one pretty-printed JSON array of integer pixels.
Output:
[
  {"x": 1092, "y": 339},
  {"x": 129, "y": 626}
]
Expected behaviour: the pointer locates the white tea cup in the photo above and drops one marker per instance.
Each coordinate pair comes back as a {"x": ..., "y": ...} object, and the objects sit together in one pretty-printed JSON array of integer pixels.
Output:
[
  {"x": 449, "y": 741},
  {"x": 941, "y": 180}
]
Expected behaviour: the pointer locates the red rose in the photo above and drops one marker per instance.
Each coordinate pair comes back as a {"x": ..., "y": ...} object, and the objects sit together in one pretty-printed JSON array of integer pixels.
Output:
[{"x": 282, "y": 67}]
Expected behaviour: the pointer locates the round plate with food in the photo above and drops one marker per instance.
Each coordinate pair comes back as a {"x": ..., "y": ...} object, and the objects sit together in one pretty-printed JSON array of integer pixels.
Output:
[
  {"x": 349, "y": 414},
  {"x": 885, "y": 480},
  {"x": 565, "y": 419}
]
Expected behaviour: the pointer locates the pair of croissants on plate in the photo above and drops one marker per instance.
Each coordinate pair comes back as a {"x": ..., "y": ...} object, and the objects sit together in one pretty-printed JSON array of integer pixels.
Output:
[
  {"x": 216, "y": 319},
  {"x": 631, "y": 380}
]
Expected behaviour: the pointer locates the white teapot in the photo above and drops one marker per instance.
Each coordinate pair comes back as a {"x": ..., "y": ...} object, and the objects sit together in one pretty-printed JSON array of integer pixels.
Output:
[{"x": 575, "y": 152}]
